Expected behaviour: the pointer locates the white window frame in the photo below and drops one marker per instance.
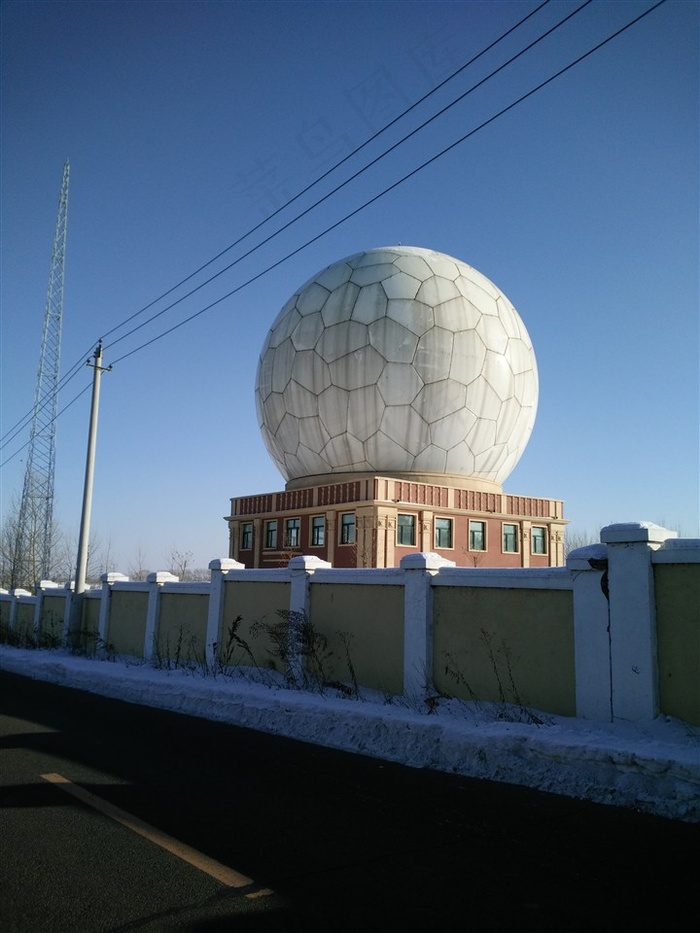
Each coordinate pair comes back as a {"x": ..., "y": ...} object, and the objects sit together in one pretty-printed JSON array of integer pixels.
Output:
[
  {"x": 410, "y": 524},
  {"x": 271, "y": 534},
  {"x": 514, "y": 526},
  {"x": 344, "y": 526},
  {"x": 451, "y": 530},
  {"x": 246, "y": 536},
  {"x": 292, "y": 525},
  {"x": 316, "y": 528},
  {"x": 478, "y": 521},
  {"x": 539, "y": 537}
]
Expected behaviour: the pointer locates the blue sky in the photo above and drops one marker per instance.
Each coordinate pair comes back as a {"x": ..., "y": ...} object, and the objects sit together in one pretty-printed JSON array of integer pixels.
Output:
[{"x": 188, "y": 124}]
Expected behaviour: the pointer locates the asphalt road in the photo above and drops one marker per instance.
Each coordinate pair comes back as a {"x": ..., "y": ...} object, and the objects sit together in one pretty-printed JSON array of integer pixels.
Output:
[{"x": 317, "y": 839}]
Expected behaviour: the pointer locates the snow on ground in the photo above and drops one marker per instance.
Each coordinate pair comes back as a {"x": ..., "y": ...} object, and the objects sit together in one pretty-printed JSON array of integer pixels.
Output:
[{"x": 651, "y": 767}]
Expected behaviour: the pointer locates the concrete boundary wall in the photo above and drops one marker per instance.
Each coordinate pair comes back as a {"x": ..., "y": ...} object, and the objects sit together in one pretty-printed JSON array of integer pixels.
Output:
[{"x": 614, "y": 635}]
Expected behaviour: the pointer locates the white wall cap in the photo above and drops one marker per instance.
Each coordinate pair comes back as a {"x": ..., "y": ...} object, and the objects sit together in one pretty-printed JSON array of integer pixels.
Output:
[
  {"x": 162, "y": 576},
  {"x": 225, "y": 563},
  {"x": 113, "y": 577},
  {"x": 18, "y": 591},
  {"x": 197, "y": 587},
  {"x": 425, "y": 560},
  {"x": 678, "y": 551},
  {"x": 308, "y": 562},
  {"x": 48, "y": 585},
  {"x": 680, "y": 544},
  {"x": 631, "y": 532},
  {"x": 581, "y": 557},
  {"x": 538, "y": 578},
  {"x": 380, "y": 576}
]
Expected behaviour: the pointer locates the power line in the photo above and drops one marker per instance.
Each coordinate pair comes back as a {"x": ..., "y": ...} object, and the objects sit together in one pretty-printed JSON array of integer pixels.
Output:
[
  {"x": 55, "y": 418},
  {"x": 347, "y": 181},
  {"x": 351, "y": 178},
  {"x": 47, "y": 400},
  {"x": 44, "y": 402},
  {"x": 396, "y": 184},
  {"x": 325, "y": 175}
]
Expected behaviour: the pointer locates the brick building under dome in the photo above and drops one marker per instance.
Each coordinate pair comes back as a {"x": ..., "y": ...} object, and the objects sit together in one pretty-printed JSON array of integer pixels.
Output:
[
  {"x": 396, "y": 391},
  {"x": 374, "y": 521}
]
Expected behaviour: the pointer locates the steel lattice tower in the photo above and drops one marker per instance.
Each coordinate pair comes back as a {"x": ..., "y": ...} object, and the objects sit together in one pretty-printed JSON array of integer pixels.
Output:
[{"x": 34, "y": 540}]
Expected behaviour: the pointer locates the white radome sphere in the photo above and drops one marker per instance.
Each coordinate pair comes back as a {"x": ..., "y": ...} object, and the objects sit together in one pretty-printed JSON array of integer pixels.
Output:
[{"x": 397, "y": 360}]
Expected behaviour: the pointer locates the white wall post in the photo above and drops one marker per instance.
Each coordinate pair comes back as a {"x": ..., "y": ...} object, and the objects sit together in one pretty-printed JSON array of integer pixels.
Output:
[
  {"x": 106, "y": 602},
  {"x": 300, "y": 571},
  {"x": 36, "y": 623},
  {"x": 67, "y": 607},
  {"x": 6, "y": 598},
  {"x": 592, "y": 671},
  {"x": 219, "y": 568},
  {"x": 39, "y": 605},
  {"x": 418, "y": 620},
  {"x": 635, "y": 688},
  {"x": 155, "y": 583},
  {"x": 16, "y": 594}
]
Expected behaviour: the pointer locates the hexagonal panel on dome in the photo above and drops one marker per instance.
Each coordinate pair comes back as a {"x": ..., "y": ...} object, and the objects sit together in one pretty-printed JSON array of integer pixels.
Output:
[
  {"x": 407, "y": 428},
  {"x": 493, "y": 333},
  {"x": 468, "y": 356},
  {"x": 367, "y": 275},
  {"x": 437, "y": 290},
  {"x": 401, "y": 285},
  {"x": 315, "y": 435},
  {"x": 433, "y": 357},
  {"x": 456, "y": 314},
  {"x": 382, "y": 449},
  {"x": 284, "y": 327},
  {"x": 499, "y": 375},
  {"x": 451, "y": 430},
  {"x": 415, "y": 316},
  {"x": 357, "y": 369},
  {"x": 283, "y": 359},
  {"x": 311, "y": 371},
  {"x": 365, "y": 410},
  {"x": 374, "y": 257},
  {"x": 370, "y": 304},
  {"x": 305, "y": 335},
  {"x": 312, "y": 462},
  {"x": 399, "y": 384},
  {"x": 415, "y": 266},
  {"x": 510, "y": 413},
  {"x": 431, "y": 460},
  {"x": 334, "y": 276},
  {"x": 339, "y": 304},
  {"x": 333, "y": 410},
  {"x": 312, "y": 299},
  {"x": 397, "y": 359},
  {"x": 299, "y": 401},
  {"x": 341, "y": 339},
  {"x": 392, "y": 340},
  {"x": 446, "y": 396},
  {"x": 345, "y": 450}
]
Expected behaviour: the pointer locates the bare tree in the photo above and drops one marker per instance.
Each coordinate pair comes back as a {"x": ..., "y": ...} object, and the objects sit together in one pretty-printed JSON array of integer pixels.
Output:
[
  {"x": 200, "y": 574},
  {"x": 100, "y": 558},
  {"x": 20, "y": 560},
  {"x": 179, "y": 563},
  {"x": 575, "y": 539},
  {"x": 138, "y": 569}
]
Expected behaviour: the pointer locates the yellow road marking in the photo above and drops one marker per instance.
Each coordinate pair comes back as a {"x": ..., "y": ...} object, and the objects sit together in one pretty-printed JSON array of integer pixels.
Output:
[{"x": 210, "y": 866}]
